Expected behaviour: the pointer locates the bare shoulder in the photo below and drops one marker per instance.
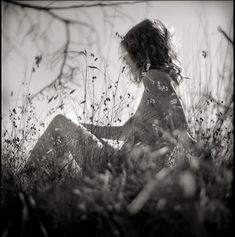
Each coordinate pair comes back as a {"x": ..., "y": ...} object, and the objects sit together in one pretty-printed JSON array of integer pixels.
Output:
[
  {"x": 154, "y": 76},
  {"x": 157, "y": 72}
]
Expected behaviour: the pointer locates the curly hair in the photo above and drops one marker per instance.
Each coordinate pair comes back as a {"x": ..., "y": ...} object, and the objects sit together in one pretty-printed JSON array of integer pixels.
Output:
[{"x": 151, "y": 42}]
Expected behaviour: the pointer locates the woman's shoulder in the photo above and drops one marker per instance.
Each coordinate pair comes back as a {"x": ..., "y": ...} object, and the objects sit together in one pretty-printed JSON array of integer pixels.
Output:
[{"x": 156, "y": 76}]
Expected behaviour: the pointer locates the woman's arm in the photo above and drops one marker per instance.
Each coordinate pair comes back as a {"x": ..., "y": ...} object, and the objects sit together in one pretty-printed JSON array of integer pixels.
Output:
[
  {"x": 104, "y": 131},
  {"x": 114, "y": 132}
]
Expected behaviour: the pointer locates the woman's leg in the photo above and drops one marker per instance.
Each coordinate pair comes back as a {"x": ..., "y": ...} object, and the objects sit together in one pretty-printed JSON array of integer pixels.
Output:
[{"x": 64, "y": 145}]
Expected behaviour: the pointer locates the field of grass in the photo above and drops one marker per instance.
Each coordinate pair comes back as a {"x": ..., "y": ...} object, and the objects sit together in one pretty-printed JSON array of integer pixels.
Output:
[{"x": 125, "y": 196}]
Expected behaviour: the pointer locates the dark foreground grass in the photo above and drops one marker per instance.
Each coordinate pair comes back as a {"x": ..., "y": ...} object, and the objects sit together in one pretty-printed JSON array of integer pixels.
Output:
[{"x": 122, "y": 198}]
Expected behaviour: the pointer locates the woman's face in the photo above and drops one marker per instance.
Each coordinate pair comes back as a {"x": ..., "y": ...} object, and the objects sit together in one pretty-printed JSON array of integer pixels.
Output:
[{"x": 130, "y": 63}]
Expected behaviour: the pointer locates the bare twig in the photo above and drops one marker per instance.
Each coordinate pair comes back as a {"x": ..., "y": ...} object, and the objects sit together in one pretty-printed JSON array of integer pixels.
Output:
[
  {"x": 65, "y": 53},
  {"x": 225, "y": 35},
  {"x": 52, "y": 11},
  {"x": 48, "y": 8}
]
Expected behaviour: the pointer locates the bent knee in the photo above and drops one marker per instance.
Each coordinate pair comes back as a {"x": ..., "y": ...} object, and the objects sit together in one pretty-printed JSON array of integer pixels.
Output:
[
  {"x": 63, "y": 125},
  {"x": 57, "y": 123},
  {"x": 58, "y": 118}
]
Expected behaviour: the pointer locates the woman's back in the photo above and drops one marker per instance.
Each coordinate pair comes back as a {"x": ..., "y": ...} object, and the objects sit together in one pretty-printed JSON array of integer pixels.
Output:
[{"x": 159, "y": 111}]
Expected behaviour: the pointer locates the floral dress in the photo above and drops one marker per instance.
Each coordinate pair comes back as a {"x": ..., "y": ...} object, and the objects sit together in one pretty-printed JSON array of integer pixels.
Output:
[{"x": 159, "y": 114}]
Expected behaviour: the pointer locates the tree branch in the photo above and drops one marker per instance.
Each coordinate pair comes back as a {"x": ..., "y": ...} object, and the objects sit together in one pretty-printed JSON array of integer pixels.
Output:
[
  {"x": 53, "y": 12},
  {"x": 48, "y": 8},
  {"x": 225, "y": 35},
  {"x": 65, "y": 52}
]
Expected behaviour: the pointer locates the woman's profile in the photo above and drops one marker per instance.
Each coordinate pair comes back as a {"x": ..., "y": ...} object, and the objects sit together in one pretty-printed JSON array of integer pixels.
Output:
[{"x": 148, "y": 51}]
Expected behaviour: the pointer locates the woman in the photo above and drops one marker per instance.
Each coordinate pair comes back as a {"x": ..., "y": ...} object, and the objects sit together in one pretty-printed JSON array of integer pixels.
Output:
[{"x": 159, "y": 120}]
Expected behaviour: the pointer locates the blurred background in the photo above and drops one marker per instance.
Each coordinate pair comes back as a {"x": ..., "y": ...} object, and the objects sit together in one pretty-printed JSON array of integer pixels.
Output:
[{"x": 64, "y": 57}]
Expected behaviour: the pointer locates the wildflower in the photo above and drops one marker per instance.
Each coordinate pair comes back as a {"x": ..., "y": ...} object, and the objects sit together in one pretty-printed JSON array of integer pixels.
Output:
[
  {"x": 174, "y": 101},
  {"x": 38, "y": 59},
  {"x": 204, "y": 53}
]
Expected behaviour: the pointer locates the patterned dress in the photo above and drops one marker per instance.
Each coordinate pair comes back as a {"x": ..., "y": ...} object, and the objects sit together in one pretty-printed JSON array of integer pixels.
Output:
[{"x": 159, "y": 115}]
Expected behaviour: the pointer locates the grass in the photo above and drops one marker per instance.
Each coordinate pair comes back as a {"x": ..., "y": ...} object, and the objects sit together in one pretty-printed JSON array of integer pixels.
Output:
[{"x": 117, "y": 195}]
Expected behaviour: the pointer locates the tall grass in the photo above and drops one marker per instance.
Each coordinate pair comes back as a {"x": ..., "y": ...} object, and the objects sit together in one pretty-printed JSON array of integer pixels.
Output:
[{"x": 117, "y": 195}]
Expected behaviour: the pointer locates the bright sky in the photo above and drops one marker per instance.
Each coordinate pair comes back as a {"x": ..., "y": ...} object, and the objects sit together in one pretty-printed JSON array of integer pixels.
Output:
[{"x": 195, "y": 24}]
